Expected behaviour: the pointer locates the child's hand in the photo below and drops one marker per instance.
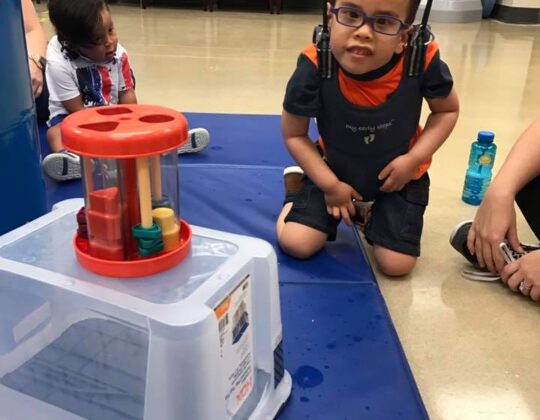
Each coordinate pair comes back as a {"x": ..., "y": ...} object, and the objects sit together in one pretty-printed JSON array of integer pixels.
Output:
[
  {"x": 339, "y": 201},
  {"x": 398, "y": 173}
]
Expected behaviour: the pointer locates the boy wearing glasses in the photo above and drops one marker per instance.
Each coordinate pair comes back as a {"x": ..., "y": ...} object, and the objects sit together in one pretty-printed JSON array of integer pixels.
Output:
[{"x": 371, "y": 145}]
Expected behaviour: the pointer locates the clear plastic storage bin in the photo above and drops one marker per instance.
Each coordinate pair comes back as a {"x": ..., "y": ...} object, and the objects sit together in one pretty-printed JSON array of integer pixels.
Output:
[{"x": 200, "y": 341}]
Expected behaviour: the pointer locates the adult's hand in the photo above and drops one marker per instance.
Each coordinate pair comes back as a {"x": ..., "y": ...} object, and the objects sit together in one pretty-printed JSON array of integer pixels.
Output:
[
  {"x": 36, "y": 43},
  {"x": 523, "y": 275},
  {"x": 494, "y": 222}
]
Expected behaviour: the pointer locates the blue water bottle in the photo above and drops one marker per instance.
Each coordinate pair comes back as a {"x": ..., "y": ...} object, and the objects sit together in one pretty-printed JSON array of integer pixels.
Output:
[{"x": 478, "y": 176}]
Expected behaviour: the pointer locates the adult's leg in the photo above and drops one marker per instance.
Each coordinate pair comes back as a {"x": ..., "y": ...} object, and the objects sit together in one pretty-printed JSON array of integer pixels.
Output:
[{"x": 528, "y": 200}]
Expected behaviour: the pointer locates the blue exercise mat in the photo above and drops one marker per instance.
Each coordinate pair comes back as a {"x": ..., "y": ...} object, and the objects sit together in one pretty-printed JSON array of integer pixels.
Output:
[
  {"x": 247, "y": 200},
  {"x": 344, "y": 356},
  {"x": 242, "y": 139},
  {"x": 339, "y": 341},
  {"x": 340, "y": 345}
]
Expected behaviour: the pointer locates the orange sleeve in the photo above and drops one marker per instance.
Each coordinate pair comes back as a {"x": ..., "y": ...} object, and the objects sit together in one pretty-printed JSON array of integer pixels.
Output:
[
  {"x": 311, "y": 52},
  {"x": 432, "y": 49}
]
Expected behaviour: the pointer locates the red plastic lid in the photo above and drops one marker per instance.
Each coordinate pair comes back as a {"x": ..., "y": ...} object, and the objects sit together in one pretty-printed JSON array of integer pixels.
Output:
[{"x": 124, "y": 131}]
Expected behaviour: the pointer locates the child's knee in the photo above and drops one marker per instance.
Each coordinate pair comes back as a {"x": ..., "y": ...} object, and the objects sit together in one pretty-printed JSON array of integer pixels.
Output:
[
  {"x": 300, "y": 241},
  {"x": 393, "y": 263},
  {"x": 53, "y": 131}
]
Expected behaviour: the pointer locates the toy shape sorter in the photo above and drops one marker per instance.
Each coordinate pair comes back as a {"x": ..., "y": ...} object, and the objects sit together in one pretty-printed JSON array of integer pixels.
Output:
[
  {"x": 200, "y": 340},
  {"x": 130, "y": 223}
]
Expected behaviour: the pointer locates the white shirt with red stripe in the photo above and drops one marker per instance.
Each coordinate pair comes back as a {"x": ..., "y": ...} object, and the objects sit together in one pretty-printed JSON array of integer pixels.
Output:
[{"x": 69, "y": 76}]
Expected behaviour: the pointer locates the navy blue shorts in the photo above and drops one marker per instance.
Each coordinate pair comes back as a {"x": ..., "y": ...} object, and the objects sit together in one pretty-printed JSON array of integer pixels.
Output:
[
  {"x": 56, "y": 120},
  {"x": 396, "y": 222}
]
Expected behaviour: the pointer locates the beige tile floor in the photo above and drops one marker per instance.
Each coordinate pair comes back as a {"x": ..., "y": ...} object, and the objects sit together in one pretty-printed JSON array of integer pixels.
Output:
[{"x": 474, "y": 348}]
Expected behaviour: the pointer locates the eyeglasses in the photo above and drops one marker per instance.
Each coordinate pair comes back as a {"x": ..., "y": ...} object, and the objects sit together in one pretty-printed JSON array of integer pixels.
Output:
[{"x": 355, "y": 18}]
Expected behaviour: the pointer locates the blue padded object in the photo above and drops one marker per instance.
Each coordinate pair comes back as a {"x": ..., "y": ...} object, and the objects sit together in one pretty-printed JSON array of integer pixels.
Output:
[
  {"x": 251, "y": 208},
  {"x": 22, "y": 188},
  {"x": 58, "y": 191},
  {"x": 257, "y": 140},
  {"x": 339, "y": 342},
  {"x": 344, "y": 356}
]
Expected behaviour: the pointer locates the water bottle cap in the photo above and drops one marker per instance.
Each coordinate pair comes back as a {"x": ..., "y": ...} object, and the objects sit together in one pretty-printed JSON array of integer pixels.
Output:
[{"x": 486, "y": 136}]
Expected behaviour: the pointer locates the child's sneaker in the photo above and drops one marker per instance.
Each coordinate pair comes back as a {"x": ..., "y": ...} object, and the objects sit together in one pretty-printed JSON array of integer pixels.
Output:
[
  {"x": 198, "y": 139},
  {"x": 62, "y": 166},
  {"x": 292, "y": 177}
]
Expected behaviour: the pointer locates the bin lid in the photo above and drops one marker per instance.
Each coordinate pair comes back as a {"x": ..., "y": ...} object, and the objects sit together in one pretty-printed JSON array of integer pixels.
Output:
[{"x": 124, "y": 131}]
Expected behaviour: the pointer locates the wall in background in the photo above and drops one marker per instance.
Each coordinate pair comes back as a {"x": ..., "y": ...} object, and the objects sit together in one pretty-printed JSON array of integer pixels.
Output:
[{"x": 517, "y": 11}]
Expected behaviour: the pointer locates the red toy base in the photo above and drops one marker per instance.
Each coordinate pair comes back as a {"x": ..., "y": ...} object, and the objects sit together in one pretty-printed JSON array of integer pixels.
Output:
[{"x": 135, "y": 268}]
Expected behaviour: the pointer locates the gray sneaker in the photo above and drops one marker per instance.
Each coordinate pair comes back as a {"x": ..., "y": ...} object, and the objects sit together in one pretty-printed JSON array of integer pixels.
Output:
[
  {"x": 62, "y": 166},
  {"x": 530, "y": 247},
  {"x": 198, "y": 139},
  {"x": 458, "y": 240},
  {"x": 479, "y": 274}
]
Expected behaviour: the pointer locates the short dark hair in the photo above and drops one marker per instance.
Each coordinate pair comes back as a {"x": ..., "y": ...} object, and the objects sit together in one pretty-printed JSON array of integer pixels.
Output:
[
  {"x": 76, "y": 21},
  {"x": 411, "y": 11}
]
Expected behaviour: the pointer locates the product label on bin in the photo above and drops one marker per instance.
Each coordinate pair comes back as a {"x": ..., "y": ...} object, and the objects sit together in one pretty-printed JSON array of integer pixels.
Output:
[{"x": 236, "y": 344}]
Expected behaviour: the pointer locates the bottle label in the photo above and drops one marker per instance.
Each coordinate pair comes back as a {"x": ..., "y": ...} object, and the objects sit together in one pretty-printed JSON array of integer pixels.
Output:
[
  {"x": 484, "y": 159},
  {"x": 474, "y": 186}
]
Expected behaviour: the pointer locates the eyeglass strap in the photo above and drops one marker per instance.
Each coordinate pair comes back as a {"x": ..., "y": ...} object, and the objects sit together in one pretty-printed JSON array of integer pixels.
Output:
[
  {"x": 427, "y": 11},
  {"x": 324, "y": 55},
  {"x": 419, "y": 39}
]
